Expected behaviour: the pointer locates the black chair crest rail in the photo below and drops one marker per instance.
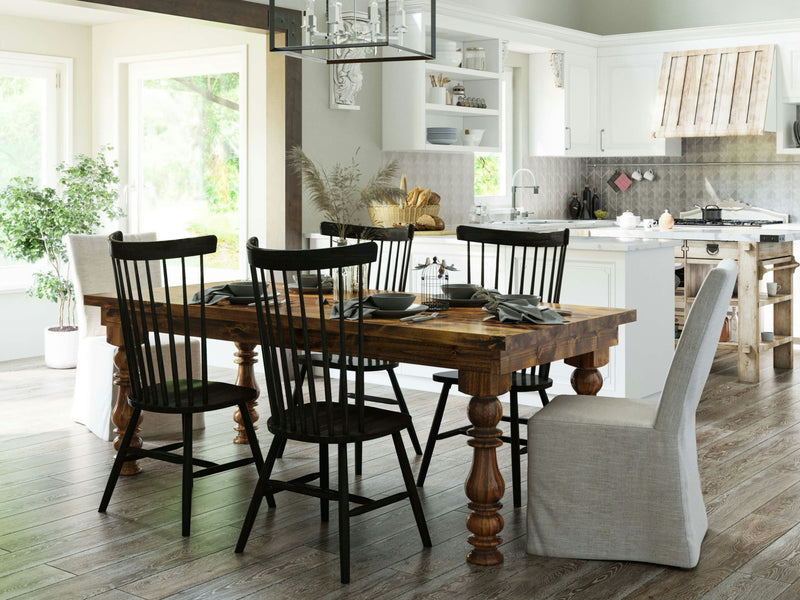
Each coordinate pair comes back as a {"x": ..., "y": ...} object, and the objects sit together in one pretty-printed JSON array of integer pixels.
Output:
[
  {"x": 536, "y": 266},
  {"x": 388, "y": 272},
  {"x": 316, "y": 408},
  {"x": 153, "y": 319}
]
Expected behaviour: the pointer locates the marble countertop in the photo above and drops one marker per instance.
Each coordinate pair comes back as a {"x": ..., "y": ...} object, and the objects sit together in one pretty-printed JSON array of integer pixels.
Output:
[{"x": 788, "y": 231}]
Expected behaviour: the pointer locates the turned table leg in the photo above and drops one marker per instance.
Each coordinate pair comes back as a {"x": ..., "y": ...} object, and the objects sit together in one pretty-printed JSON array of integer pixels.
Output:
[
  {"x": 121, "y": 414},
  {"x": 245, "y": 357},
  {"x": 586, "y": 378},
  {"x": 485, "y": 485}
]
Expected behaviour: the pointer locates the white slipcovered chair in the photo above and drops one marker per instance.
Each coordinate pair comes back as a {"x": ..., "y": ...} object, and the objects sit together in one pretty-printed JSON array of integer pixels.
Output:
[
  {"x": 616, "y": 478},
  {"x": 94, "y": 397}
]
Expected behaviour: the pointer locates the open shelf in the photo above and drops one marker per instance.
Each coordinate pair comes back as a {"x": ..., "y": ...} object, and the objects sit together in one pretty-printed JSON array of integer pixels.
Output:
[{"x": 461, "y": 111}]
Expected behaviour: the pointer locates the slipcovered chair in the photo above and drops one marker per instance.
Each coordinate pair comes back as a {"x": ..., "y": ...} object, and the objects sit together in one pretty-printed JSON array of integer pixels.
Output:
[
  {"x": 94, "y": 396},
  {"x": 617, "y": 478}
]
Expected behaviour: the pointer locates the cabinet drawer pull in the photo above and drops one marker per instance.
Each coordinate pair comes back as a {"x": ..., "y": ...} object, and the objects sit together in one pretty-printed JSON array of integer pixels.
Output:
[
  {"x": 602, "y": 131},
  {"x": 568, "y": 131},
  {"x": 712, "y": 249}
]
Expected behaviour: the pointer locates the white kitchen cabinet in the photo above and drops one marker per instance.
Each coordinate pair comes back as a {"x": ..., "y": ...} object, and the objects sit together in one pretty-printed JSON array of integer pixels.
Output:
[
  {"x": 563, "y": 119},
  {"x": 788, "y": 101},
  {"x": 628, "y": 86},
  {"x": 407, "y": 112}
]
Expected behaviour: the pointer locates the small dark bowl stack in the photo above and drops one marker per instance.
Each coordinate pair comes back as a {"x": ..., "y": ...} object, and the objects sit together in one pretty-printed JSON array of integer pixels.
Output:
[{"x": 393, "y": 300}]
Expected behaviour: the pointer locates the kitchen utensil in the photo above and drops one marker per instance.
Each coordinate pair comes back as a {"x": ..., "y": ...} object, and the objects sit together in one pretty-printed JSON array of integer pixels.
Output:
[
  {"x": 712, "y": 212},
  {"x": 627, "y": 220},
  {"x": 437, "y": 95},
  {"x": 767, "y": 336},
  {"x": 649, "y": 175},
  {"x": 459, "y": 291},
  {"x": 773, "y": 288},
  {"x": 421, "y": 318},
  {"x": 636, "y": 175},
  {"x": 395, "y": 314},
  {"x": 666, "y": 221},
  {"x": 393, "y": 300}
]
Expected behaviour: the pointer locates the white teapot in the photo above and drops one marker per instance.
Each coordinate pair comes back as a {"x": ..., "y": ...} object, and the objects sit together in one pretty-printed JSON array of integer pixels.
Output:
[{"x": 627, "y": 220}]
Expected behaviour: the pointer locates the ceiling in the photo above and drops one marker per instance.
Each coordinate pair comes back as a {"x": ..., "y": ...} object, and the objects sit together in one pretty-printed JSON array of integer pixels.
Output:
[{"x": 69, "y": 12}]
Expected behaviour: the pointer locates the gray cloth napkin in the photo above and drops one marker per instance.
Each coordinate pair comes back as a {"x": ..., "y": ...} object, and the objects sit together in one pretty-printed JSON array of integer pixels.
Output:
[
  {"x": 218, "y": 293},
  {"x": 351, "y": 308},
  {"x": 522, "y": 309}
]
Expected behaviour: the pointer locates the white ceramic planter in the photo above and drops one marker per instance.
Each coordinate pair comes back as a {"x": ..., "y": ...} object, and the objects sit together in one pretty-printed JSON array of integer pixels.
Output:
[{"x": 61, "y": 348}]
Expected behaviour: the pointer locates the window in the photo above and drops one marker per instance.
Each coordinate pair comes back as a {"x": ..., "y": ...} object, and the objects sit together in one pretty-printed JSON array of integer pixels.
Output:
[
  {"x": 492, "y": 170},
  {"x": 35, "y": 122},
  {"x": 187, "y": 137}
]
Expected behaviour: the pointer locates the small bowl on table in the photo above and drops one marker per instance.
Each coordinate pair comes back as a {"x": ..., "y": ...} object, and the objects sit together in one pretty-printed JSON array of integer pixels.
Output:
[
  {"x": 393, "y": 300},
  {"x": 309, "y": 280},
  {"x": 459, "y": 291}
]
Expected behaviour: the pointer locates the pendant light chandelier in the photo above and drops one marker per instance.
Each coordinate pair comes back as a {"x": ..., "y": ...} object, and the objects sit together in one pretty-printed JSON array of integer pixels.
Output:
[{"x": 355, "y": 31}]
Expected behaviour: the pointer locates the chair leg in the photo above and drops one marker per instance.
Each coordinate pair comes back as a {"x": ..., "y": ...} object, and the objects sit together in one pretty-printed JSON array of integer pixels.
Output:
[
  {"x": 188, "y": 476},
  {"x": 281, "y": 449},
  {"x": 401, "y": 402},
  {"x": 543, "y": 397},
  {"x": 344, "y": 517},
  {"x": 515, "y": 453},
  {"x": 435, "y": 425},
  {"x": 119, "y": 461},
  {"x": 359, "y": 458},
  {"x": 324, "y": 481},
  {"x": 262, "y": 488},
  {"x": 413, "y": 496},
  {"x": 255, "y": 448}
]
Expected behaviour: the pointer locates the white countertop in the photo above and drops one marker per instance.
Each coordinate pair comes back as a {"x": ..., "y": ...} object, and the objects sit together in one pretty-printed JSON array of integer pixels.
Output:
[{"x": 789, "y": 231}]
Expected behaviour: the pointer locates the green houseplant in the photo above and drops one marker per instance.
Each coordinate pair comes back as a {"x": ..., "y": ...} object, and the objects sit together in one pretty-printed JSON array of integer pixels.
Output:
[{"x": 34, "y": 221}]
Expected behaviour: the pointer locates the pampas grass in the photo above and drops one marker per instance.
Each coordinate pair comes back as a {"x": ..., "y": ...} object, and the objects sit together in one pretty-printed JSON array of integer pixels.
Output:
[{"x": 337, "y": 193}]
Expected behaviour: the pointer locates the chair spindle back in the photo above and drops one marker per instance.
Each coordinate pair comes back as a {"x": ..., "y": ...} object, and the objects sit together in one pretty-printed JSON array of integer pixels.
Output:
[
  {"x": 317, "y": 404},
  {"x": 151, "y": 314}
]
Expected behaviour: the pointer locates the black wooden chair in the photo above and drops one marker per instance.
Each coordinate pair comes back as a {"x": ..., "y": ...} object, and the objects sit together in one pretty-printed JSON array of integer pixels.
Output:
[
  {"x": 158, "y": 383},
  {"x": 316, "y": 409},
  {"x": 389, "y": 272},
  {"x": 536, "y": 267}
]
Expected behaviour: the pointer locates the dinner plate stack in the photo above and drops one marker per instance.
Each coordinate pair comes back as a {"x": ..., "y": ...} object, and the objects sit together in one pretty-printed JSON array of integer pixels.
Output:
[{"x": 442, "y": 135}]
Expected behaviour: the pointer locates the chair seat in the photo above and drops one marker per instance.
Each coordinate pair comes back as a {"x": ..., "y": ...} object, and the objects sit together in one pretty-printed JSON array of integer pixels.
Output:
[
  {"x": 220, "y": 395},
  {"x": 377, "y": 423},
  {"x": 370, "y": 364},
  {"x": 520, "y": 382}
]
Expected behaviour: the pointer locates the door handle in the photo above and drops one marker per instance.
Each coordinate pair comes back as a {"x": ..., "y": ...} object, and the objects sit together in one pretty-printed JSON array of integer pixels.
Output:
[
  {"x": 602, "y": 131},
  {"x": 568, "y": 145}
]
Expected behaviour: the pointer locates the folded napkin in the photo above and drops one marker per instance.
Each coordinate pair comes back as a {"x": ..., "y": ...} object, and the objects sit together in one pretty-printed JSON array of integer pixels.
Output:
[
  {"x": 521, "y": 308},
  {"x": 351, "y": 308},
  {"x": 218, "y": 293}
]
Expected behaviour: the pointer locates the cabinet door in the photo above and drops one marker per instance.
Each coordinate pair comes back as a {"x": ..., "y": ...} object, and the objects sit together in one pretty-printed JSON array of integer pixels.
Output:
[
  {"x": 580, "y": 86},
  {"x": 628, "y": 87},
  {"x": 789, "y": 60}
]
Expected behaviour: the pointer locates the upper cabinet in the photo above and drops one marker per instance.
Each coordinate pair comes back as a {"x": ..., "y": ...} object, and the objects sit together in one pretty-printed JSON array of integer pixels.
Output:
[
  {"x": 563, "y": 104},
  {"x": 412, "y": 103},
  {"x": 714, "y": 92},
  {"x": 627, "y": 106},
  {"x": 788, "y": 105}
]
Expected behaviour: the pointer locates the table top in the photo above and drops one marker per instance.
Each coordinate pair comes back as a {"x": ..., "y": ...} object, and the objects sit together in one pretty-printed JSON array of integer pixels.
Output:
[{"x": 462, "y": 340}]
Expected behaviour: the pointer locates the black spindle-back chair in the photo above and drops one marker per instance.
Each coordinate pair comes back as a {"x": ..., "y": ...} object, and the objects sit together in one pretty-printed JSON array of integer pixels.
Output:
[
  {"x": 154, "y": 319},
  {"x": 388, "y": 272},
  {"x": 535, "y": 266},
  {"x": 317, "y": 408}
]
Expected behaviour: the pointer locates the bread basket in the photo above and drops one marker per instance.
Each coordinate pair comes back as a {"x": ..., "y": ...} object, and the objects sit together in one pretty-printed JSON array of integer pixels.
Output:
[{"x": 388, "y": 215}]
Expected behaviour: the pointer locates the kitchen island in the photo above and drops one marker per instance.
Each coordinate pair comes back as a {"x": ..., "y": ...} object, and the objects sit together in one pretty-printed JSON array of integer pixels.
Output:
[
  {"x": 634, "y": 274},
  {"x": 761, "y": 252}
]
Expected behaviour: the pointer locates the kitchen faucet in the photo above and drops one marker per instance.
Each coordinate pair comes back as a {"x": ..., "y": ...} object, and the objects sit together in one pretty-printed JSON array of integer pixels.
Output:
[{"x": 515, "y": 212}]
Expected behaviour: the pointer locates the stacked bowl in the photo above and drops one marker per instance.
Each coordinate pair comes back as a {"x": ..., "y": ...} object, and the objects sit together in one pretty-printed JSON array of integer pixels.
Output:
[{"x": 442, "y": 135}]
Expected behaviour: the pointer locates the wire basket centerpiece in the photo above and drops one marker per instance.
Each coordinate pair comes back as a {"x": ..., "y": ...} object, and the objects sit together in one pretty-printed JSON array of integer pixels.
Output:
[{"x": 433, "y": 274}]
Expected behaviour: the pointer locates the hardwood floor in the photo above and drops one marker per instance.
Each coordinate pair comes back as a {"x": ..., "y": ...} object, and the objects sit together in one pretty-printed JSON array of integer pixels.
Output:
[{"x": 55, "y": 545}]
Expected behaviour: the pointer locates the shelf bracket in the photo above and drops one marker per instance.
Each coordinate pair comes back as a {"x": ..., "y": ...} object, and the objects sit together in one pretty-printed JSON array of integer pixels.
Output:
[{"x": 557, "y": 66}]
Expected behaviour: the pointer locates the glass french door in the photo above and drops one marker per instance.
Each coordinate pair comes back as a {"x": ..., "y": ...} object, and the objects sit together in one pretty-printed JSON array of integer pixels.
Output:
[{"x": 187, "y": 141}]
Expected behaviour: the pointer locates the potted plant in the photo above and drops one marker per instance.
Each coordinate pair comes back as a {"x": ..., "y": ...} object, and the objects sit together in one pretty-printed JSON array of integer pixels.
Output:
[
  {"x": 33, "y": 223},
  {"x": 339, "y": 194}
]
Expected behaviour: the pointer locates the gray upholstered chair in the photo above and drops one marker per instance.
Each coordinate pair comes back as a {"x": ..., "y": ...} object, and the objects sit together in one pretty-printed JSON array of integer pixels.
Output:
[
  {"x": 94, "y": 396},
  {"x": 616, "y": 478}
]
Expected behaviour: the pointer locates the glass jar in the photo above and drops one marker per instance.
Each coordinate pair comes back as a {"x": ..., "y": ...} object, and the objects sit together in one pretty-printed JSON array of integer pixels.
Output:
[{"x": 475, "y": 58}]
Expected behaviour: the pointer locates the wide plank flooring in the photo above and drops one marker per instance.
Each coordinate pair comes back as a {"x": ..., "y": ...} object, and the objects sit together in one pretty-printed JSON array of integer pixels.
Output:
[{"x": 55, "y": 545}]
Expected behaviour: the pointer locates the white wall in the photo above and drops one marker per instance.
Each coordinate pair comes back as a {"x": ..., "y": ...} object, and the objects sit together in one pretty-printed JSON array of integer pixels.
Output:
[
  {"x": 23, "y": 319},
  {"x": 629, "y": 16}
]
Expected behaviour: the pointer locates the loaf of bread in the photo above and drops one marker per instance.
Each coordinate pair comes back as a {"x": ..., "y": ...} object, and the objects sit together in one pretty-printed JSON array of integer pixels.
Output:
[
  {"x": 425, "y": 222},
  {"x": 434, "y": 198},
  {"x": 422, "y": 199}
]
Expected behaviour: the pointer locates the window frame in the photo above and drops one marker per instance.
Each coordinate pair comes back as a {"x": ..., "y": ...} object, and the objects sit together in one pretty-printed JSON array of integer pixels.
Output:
[{"x": 16, "y": 277}]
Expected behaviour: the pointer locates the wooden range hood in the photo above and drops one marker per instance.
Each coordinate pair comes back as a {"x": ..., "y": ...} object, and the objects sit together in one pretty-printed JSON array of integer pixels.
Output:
[{"x": 709, "y": 93}]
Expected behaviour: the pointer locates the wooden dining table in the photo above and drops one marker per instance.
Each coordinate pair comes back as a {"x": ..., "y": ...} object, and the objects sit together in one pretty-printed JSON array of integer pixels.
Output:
[{"x": 485, "y": 353}]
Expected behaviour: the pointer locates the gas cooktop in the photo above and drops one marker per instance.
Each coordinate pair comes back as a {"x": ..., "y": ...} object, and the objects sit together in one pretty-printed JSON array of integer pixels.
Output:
[{"x": 727, "y": 222}]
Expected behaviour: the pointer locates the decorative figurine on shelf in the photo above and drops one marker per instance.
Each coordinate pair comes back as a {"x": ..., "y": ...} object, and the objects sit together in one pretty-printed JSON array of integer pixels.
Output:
[{"x": 433, "y": 275}]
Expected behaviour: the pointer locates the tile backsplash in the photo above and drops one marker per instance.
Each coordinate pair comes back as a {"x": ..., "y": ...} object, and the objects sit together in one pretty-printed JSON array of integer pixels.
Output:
[
  {"x": 678, "y": 183},
  {"x": 678, "y": 186}
]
